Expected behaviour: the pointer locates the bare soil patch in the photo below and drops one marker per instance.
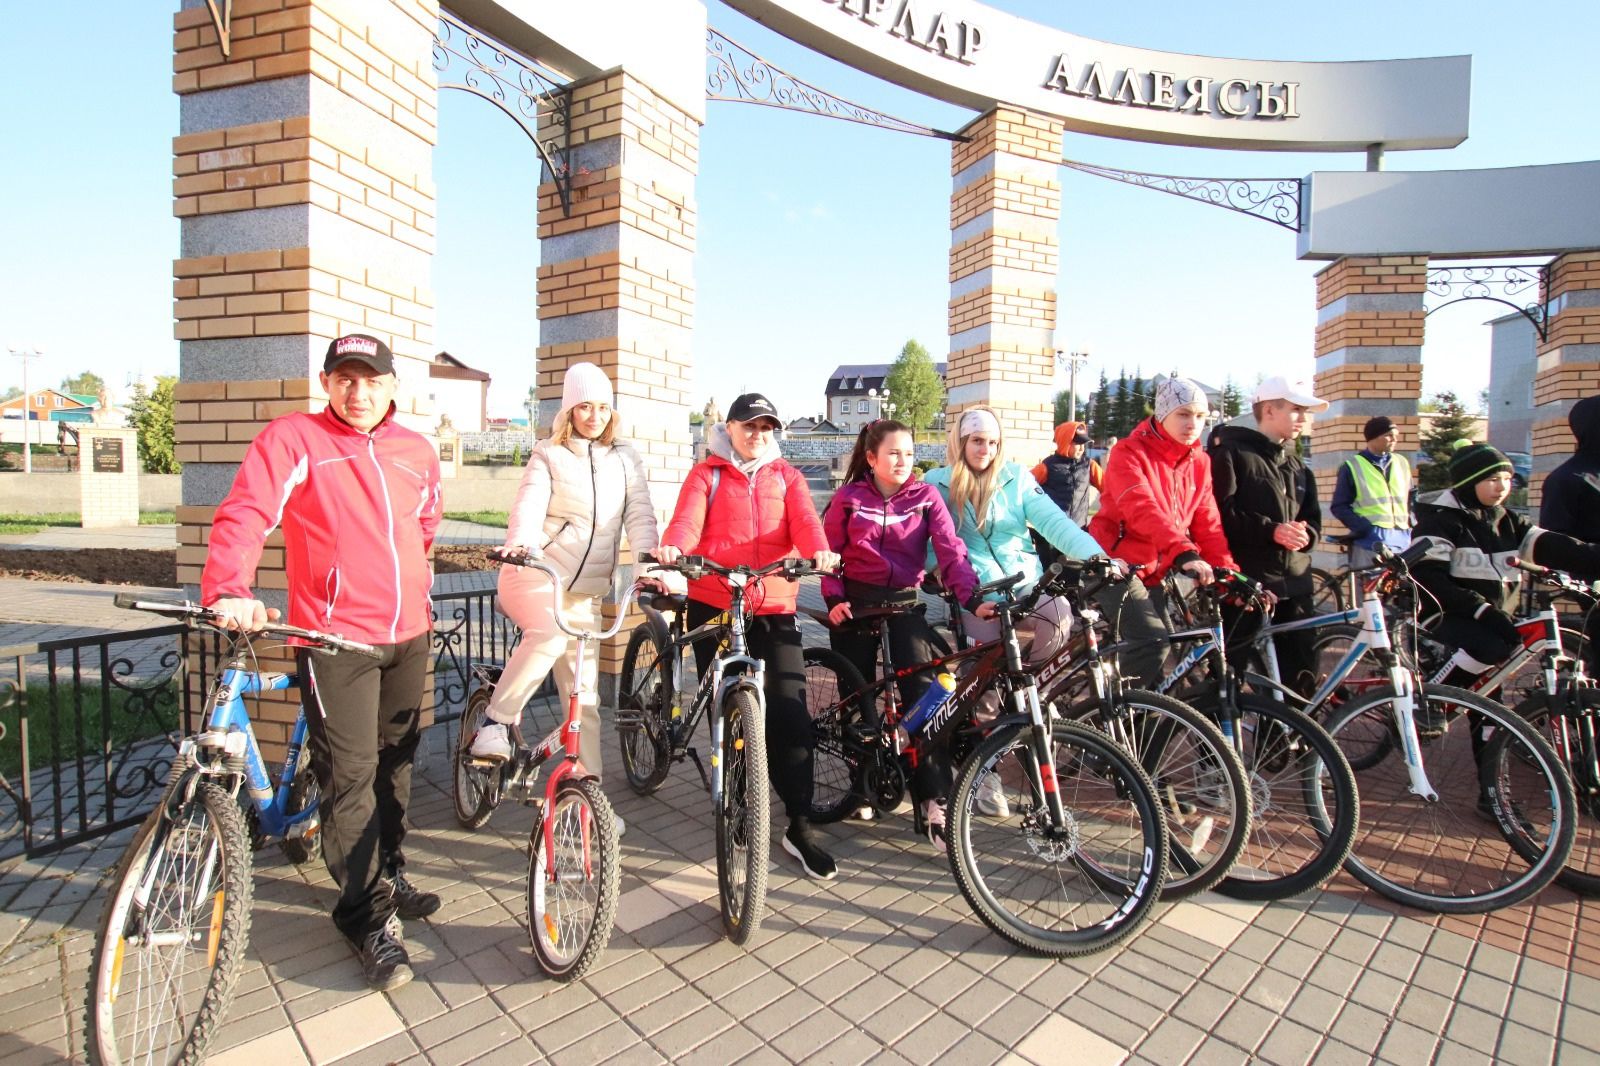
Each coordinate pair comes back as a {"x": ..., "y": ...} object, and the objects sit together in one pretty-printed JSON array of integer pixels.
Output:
[{"x": 159, "y": 569}]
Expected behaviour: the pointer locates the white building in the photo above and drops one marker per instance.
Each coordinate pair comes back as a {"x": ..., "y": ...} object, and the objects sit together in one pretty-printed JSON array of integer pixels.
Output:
[{"x": 460, "y": 392}]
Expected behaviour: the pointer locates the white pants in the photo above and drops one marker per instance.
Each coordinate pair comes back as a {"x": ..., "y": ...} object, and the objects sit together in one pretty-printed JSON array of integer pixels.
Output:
[
  {"x": 529, "y": 599},
  {"x": 1042, "y": 633}
]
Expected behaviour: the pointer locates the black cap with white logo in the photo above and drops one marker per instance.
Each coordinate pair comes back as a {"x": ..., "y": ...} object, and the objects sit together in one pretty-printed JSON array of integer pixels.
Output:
[
  {"x": 360, "y": 348},
  {"x": 752, "y": 405}
]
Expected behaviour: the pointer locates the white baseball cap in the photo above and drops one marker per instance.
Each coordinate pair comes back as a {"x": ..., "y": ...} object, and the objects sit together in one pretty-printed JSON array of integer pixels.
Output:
[{"x": 1296, "y": 390}]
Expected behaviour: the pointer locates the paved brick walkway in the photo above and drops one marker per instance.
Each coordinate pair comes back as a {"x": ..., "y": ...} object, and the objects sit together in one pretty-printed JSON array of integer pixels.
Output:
[{"x": 885, "y": 964}]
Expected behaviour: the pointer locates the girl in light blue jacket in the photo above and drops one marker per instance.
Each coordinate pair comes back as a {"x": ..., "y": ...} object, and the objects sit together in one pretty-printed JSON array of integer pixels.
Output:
[{"x": 976, "y": 482}]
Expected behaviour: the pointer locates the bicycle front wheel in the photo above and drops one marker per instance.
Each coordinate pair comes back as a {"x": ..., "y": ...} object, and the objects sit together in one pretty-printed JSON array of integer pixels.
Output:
[
  {"x": 1564, "y": 732},
  {"x": 1305, "y": 808},
  {"x": 743, "y": 817},
  {"x": 644, "y": 700},
  {"x": 1500, "y": 827},
  {"x": 1199, "y": 779},
  {"x": 572, "y": 883},
  {"x": 838, "y": 729},
  {"x": 1067, "y": 889},
  {"x": 173, "y": 937}
]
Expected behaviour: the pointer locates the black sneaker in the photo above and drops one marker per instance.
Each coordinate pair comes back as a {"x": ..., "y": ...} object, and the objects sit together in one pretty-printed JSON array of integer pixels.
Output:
[
  {"x": 410, "y": 902},
  {"x": 797, "y": 841},
  {"x": 384, "y": 962}
]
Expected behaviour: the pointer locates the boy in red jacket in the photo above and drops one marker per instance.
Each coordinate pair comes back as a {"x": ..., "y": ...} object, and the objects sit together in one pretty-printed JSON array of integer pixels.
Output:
[{"x": 357, "y": 496}]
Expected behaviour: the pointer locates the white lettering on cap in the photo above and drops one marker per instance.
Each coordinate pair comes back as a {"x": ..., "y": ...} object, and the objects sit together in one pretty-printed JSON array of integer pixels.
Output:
[{"x": 356, "y": 345}]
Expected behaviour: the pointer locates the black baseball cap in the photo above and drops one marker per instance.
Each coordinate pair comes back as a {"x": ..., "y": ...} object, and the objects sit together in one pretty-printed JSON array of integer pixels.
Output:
[
  {"x": 359, "y": 348},
  {"x": 753, "y": 405}
]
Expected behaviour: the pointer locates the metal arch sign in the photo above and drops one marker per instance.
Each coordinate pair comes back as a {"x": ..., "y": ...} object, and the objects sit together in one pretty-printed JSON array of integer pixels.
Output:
[{"x": 977, "y": 56}]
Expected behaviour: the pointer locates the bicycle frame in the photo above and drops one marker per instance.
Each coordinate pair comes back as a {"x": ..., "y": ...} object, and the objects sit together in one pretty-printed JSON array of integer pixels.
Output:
[{"x": 228, "y": 730}]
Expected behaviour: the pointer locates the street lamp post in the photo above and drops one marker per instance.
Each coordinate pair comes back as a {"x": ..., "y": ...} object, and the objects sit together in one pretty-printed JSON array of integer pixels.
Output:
[
  {"x": 1072, "y": 361},
  {"x": 25, "y": 354},
  {"x": 886, "y": 409},
  {"x": 529, "y": 405}
]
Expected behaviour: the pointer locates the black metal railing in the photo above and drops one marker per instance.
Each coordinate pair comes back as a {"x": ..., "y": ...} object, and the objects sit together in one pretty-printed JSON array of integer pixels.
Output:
[{"x": 88, "y": 725}]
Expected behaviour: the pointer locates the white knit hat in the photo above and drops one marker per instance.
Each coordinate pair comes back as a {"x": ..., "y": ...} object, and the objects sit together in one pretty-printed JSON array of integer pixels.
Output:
[
  {"x": 586, "y": 383},
  {"x": 1176, "y": 392}
]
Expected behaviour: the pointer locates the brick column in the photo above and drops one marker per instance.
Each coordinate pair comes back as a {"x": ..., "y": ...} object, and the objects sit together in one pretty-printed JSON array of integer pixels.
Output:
[
  {"x": 303, "y": 176},
  {"x": 1569, "y": 359},
  {"x": 1005, "y": 205},
  {"x": 616, "y": 280},
  {"x": 1369, "y": 358}
]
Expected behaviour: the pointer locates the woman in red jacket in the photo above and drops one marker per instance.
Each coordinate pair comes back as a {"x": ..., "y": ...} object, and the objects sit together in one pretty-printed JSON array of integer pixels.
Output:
[
  {"x": 1157, "y": 510},
  {"x": 745, "y": 505}
]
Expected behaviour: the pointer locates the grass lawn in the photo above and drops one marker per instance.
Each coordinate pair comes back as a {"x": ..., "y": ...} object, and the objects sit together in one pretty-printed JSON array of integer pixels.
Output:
[
  {"x": 22, "y": 524},
  {"x": 134, "y": 716},
  {"x": 482, "y": 518}
]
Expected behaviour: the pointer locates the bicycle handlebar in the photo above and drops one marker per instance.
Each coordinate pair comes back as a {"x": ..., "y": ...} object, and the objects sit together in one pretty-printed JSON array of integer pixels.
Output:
[
  {"x": 499, "y": 556},
  {"x": 1560, "y": 579},
  {"x": 695, "y": 567},
  {"x": 189, "y": 610}
]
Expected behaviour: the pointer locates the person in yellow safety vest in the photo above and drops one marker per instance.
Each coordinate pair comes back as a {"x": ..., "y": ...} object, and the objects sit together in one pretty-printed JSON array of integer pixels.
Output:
[{"x": 1372, "y": 495}]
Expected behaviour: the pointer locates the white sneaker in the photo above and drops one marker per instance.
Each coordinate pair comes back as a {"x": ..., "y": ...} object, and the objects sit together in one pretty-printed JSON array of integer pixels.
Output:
[
  {"x": 933, "y": 813},
  {"x": 492, "y": 741},
  {"x": 989, "y": 798},
  {"x": 863, "y": 813},
  {"x": 622, "y": 827}
]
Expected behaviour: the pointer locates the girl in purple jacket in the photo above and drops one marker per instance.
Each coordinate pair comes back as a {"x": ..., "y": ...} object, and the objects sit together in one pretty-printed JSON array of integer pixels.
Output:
[{"x": 880, "y": 523}]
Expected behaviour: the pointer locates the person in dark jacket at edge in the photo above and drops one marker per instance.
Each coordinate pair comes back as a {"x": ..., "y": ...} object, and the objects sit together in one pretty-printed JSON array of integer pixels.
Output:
[
  {"x": 1070, "y": 478},
  {"x": 1470, "y": 538},
  {"x": 1571, "y": 503},
  {"x": 1268, "y": 503},
  {"x": 1372, "y": 495}
]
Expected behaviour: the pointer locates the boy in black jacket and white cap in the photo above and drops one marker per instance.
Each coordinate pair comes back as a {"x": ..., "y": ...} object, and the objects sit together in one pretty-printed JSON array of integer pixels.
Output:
[
  {"x": 1471, "y": 539},
  {"x": 1270, "y": 514}
]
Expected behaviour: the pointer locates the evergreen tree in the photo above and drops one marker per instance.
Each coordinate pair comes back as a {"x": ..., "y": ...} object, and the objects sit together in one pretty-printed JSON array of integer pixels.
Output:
[
  {"x": 1232, "y": 399},
  {"x": 1452, "y": 422},
  {"x": 1121, "y": 405}
]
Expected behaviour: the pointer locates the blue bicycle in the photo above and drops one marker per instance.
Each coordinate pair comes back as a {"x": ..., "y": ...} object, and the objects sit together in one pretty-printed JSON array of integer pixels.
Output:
[{"x": 174, "y": 933}]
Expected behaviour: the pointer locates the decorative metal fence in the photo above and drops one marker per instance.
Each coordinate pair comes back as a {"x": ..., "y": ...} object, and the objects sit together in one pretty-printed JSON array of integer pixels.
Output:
[{"x": 88, "y": 725}]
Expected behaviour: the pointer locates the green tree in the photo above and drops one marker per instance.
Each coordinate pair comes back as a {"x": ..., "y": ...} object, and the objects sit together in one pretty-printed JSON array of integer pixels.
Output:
[
  {"x": 1232, "y": 399},
  {"x": 1452, "y": 422},
  {"x": 11, "y": 393},
  {"x": 1064, "y": 414},
  {"x": 914, "y": 387},
  {"x": 151, "y": 414},
  {"x": 87, "y": 383}
]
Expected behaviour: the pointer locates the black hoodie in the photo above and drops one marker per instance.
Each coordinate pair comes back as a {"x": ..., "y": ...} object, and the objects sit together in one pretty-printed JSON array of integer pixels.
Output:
[
  {"x": 1260, "y": 484},
  {"x": 1571, "y": 503}
]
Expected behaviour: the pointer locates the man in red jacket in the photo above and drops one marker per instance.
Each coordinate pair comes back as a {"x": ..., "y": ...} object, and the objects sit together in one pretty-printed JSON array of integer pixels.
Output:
[{"x": 357, "y": 496}]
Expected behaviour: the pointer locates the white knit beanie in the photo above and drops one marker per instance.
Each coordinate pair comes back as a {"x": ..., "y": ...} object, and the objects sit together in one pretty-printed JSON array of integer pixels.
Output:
[
  {"x": 586, "y": 383},
  {"x": 1176, "y": 392}
]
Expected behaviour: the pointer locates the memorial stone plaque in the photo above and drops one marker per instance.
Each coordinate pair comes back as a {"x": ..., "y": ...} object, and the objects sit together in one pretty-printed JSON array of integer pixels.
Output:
[{"x": 107, "y": 455}]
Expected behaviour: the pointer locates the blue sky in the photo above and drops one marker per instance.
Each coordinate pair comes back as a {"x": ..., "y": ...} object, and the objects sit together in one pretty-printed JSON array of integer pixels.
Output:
[{"x": 821, "y": 242}]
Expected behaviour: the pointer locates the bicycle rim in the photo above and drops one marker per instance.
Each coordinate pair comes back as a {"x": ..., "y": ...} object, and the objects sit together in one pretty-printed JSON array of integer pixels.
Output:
[
  {"x": 837, "y": 755},
  {"x": 172, "y": 940},
  {"x": 1199, "y": 781},
  {"x": 642, "y": 709},
  {"x": 304, "y": 793},
  {"x": 572, "y": 887},
  {"x": 1444, "y": 855},
  {"x": 743, "y": 818},
  {"x": 1304, "y": 804},
  {"x": 1059, "y": 891},
  {"x": 472, "y": 790},
  {"x": 1582, "y": 871}
]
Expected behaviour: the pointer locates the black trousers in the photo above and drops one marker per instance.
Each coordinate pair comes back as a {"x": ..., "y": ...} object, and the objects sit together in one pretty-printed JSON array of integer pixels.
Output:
[
  {"x": 362, "y": 716},
  {"x": 1296, "y": 662},
  {"x": 911, "y": 641},
  {"x": 775, "y": 640}
]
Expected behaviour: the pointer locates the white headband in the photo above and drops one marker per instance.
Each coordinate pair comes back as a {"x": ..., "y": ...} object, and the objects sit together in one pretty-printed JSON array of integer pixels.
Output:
[{"x": 978, "y": 420}]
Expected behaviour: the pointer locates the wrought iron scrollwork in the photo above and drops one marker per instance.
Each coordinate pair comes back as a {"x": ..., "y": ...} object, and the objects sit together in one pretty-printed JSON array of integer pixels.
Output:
[
  {"x": 144, "y": 707},
  {"x": 1274, "y": 200},
  {"x": 1502, "y": 283},
  {"x": 737, "y": 75},
  {"x": 535, "y": 98}
]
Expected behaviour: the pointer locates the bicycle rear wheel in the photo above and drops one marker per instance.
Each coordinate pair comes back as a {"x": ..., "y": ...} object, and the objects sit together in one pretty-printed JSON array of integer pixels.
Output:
[
  {"x": 1199, "y": 779},
  {"x": 1327, "y": 591},
  {"x": 173, "y": 937},
  {"x": 572, "y": 886},
  {"x": 1582, "y": 871},
  {"x": 1067, "y": 890},
  {"x": 304, "y": 794},
  {"x": 1443, "y": 855},
  {"x": 838, "y": 729},
  {"x": 475, "y": 791},
  {"x": 1305, "y": 807},
  {"x": 743, "y": 817},
  {"x": 643, "y": 707}
]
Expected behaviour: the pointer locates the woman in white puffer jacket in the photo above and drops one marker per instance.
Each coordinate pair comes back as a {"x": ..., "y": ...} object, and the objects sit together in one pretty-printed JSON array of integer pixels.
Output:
[{"x": 581, "y": 490}]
